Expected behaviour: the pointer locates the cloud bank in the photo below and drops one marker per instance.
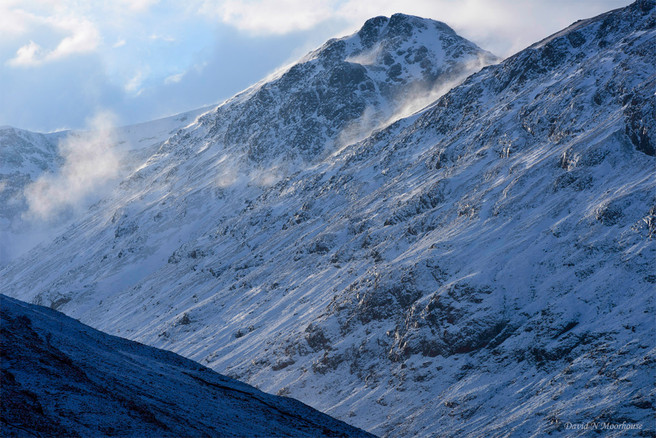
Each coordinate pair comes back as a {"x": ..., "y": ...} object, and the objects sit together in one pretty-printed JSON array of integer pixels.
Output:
[{"x": 501, "y": 26}]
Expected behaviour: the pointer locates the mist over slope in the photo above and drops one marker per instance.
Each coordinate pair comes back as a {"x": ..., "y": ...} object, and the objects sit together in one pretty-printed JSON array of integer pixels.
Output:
[
  {"x": 25, "y": 156},
  {"x": 334, "y": 96},
  {"x": 481, "y": 267},
  {"x": 49, "y": 180},
  {"x": 62, "y": 378}
]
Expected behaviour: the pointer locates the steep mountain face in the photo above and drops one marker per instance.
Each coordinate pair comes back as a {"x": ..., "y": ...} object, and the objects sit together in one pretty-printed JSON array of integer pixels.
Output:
[
  {"x": 319, "y": 99},
  {"x": 480, "y": 268},
  {"x": 62, "y": 378},
  {"x": 333, "y": 96}
]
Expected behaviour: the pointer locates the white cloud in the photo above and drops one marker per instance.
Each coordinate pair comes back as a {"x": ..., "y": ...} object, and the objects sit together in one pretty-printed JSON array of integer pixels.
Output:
[
  {"x": 90, "y": 161},
  {"x": 174, "y": 79},
  {"x": 27, "y": 55},
  {"x": 13, "y": 21},
  {"x": 165, "y": 38},
  {"x": 271, "y": 16},
  {"x": 79, "y": 26},
  {"x": 83, "y": 37},
  {"x": 133, "y": 86},
  {"x": 137, "y": 5}
]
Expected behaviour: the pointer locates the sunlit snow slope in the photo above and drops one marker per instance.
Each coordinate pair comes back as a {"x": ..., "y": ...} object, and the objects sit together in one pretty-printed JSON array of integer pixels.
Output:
[{"x": 479, "y": 268}]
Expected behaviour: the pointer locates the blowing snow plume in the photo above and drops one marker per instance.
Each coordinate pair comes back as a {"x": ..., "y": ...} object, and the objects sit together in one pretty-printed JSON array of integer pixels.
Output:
[
  {"x": 407, "y": 100},
  {"x": 90, "y": 162}
]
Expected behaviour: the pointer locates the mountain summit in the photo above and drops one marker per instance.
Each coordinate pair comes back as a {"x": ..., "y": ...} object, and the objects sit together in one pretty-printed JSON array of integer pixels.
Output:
[{"x": 342, "y": 91}]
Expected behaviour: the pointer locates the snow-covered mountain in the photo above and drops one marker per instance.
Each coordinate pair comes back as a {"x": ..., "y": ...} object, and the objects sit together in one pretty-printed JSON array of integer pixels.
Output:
[
  {"x": 24, "y": 156},
  {"x": 333, "y": 96},
  {"x": 342, "y": 91},
  {"x": 28, "y": 159},
  {"x": 62, "y": 378},
  {"x": 482, "y": 267}
]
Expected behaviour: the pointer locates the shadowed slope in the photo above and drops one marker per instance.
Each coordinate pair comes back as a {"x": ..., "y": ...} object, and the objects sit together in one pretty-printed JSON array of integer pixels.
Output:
[{"x": 61, "y": 378}]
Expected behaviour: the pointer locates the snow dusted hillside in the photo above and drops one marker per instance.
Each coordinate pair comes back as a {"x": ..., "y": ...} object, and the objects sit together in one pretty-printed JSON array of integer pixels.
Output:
[
  {"x": 62, "y": 378},
  {"x": 352, "y": 85},
  {"x": 481, "y": 268},
  {"x": 28, "y": 159},
  {"x": 23, "y": 157}
]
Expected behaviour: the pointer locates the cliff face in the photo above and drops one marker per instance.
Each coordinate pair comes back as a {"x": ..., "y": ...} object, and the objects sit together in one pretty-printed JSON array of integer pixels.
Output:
[{"x": 342, "y": 91}]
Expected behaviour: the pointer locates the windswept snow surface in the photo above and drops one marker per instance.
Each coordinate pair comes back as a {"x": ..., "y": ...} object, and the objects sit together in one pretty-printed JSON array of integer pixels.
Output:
[
  {"x": 62, "y": 378},
  {"x": 483, "y": 267}
]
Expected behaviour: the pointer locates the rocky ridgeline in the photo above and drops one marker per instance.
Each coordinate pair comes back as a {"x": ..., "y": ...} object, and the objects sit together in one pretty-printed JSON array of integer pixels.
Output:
[{"x": 343, "y": 90}]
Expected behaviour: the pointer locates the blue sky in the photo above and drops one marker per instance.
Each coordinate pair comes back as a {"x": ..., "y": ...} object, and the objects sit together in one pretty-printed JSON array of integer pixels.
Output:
[{"x": 62, "y": 61}]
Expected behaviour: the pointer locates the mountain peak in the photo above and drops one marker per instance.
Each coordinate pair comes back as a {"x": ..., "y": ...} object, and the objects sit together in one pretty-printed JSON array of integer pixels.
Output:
[
  {"x": 363, "y": 79},
  {"x": 398, "y": 25}
]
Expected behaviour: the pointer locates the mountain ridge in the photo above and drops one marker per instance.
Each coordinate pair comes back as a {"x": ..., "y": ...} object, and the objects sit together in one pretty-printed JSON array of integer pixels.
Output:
[{"x": 368, "y": 89}]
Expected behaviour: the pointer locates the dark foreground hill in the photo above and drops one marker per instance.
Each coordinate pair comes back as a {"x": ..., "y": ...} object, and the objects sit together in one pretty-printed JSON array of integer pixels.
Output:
[{"x": 62, "y": 378}]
